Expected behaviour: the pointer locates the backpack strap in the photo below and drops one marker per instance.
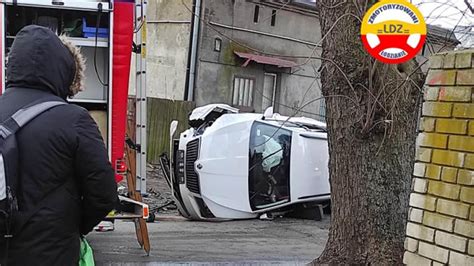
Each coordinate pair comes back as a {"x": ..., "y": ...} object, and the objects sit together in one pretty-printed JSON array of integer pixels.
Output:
[
  {"x": 25, "y": 115},
  {"x": 8, "y": 128}
]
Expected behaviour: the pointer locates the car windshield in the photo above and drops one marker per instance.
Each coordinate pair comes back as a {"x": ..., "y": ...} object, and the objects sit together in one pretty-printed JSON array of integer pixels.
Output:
[{"x": 269, "y": 166}]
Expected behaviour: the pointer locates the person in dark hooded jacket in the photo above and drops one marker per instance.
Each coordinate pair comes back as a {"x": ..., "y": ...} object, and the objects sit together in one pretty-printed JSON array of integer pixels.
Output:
[{"x": 65, "y": 174}]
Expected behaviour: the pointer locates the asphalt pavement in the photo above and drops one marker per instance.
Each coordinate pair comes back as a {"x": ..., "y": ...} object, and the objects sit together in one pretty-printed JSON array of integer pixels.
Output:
[{"x": 250, "y": 242}]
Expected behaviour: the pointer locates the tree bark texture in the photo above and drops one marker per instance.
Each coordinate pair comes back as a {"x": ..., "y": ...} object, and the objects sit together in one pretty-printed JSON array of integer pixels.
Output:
[{"x": 372, "y": 111}]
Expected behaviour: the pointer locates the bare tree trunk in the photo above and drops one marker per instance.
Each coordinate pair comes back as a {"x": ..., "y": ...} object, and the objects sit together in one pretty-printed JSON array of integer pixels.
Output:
[{"x": 371, "y": 116}]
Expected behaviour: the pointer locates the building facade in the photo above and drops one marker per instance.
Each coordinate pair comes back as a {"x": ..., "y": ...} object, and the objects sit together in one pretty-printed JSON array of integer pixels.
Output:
[
  {"x": 251, "y": 54},
  {"x": 168, "y": 34},
  {"x": 246, "y": 53}
]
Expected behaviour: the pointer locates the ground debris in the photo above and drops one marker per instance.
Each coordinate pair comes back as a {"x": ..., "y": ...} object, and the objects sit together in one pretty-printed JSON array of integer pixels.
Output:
[{"x": 158, "y": 194}]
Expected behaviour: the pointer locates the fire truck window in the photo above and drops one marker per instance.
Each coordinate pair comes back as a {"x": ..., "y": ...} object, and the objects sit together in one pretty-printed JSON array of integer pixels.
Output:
[{"x": 269, "y": 166}]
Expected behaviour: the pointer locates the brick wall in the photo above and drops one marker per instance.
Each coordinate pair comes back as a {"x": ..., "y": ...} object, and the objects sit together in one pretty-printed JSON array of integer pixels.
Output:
[{"x": 440, "y": 227}]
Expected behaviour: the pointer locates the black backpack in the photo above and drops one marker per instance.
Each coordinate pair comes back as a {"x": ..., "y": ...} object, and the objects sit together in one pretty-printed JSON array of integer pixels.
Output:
[{"x": 9, "y": 163}]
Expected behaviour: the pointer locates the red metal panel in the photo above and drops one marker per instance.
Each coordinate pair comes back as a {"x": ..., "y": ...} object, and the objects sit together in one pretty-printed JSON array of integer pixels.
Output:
[{"x": 122, "y": 52}]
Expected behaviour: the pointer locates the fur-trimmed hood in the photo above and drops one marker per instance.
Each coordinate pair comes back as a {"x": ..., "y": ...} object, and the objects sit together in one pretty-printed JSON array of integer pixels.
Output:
[
  {"x": 39, "y": 59},
  {"x": 79, "y": 76}
]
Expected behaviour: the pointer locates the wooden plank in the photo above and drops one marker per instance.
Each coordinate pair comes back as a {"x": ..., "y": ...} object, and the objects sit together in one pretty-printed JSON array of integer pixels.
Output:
[
  {"x": 123, "y": 215},
  {"x": 141, "y": 229}
]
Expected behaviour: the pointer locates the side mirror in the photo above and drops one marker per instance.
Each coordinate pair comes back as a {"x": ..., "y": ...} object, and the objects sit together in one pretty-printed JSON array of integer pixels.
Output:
[{"x": 173, "y": 127}]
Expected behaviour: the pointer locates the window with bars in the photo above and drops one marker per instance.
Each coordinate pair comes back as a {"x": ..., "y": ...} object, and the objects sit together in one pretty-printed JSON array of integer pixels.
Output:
[{"x": 243, "y": 91}]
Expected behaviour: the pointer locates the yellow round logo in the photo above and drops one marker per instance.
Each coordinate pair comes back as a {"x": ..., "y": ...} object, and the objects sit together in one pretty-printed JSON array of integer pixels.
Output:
[{"x": 393, "y": 31}]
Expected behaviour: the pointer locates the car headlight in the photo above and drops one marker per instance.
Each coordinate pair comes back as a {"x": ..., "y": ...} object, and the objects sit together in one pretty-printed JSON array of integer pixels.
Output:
[{"x": 180, "y": 166}]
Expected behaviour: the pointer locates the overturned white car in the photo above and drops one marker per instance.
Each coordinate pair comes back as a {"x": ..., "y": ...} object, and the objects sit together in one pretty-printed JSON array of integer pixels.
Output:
[{"x": 239, "y": 166}]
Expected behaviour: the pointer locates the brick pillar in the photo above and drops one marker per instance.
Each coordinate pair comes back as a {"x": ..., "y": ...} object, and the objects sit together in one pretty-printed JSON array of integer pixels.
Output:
[{"x": 440, "y": 227}]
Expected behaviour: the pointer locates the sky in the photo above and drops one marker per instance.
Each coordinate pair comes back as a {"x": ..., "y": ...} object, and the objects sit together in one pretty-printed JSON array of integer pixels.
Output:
[
  {"x": 446, "y": 13},
  {"x": 450, "y": 14}
]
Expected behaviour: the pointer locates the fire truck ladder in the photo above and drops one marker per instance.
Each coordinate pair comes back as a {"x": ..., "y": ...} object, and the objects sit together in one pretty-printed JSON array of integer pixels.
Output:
[
  {"x": 137, "y": 186},
  {"x": 140, "y": 85}
]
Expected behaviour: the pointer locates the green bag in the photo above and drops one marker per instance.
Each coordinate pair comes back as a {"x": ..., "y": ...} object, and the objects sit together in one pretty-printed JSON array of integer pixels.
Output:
[{"x": 87, "y": 256}]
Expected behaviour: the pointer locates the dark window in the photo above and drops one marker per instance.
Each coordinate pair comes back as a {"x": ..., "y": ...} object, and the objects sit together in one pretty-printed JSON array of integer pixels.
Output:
[
  {"x": 274, "y": 14},
  {"x": 256, "y": 13},
  {"x": 269, "y": 166}
]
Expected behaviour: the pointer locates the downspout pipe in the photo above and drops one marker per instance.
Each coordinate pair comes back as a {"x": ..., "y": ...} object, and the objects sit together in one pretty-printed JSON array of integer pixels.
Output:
[
  {"x": 193, "y": 51},
  {"x": 188, "y": 60}
]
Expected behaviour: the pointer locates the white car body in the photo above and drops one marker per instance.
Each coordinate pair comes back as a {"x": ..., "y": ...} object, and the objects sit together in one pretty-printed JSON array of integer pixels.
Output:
[{"x": 243, "y": 165}]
